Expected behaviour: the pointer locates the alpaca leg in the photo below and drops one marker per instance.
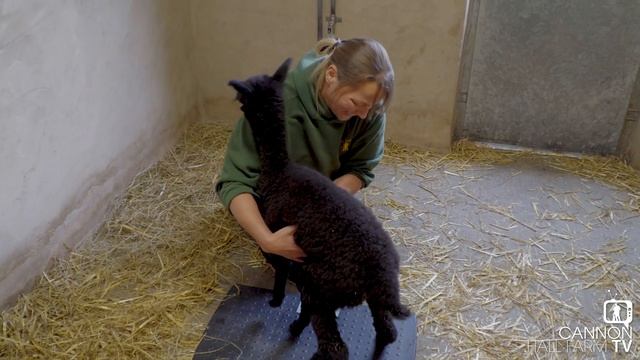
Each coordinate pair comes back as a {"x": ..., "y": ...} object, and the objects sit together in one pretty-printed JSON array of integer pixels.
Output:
[
  {"x": 280, "y": 282},
  {"x": 386, "y": 332},
  {"x": 298, "y": 325},
  {"x": 330, "y": 344}
]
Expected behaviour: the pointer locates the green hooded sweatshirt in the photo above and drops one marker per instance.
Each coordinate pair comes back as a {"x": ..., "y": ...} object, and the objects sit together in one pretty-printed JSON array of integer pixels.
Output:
[{"x": 315, "y": 138}]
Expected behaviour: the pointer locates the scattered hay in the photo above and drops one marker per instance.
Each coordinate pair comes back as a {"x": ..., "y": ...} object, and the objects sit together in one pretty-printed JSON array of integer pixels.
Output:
[
  {"x": 142, "y": 287},
  {"x": 501, "y": 303},
  {"x": 464, "y": 154}
]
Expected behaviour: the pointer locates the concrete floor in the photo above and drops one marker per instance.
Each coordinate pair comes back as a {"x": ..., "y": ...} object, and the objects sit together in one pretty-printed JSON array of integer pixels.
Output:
[{"x": 498, "y": 256}]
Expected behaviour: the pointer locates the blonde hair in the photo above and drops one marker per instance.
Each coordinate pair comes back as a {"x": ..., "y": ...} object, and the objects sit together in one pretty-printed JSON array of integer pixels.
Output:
[{"x": 358, "y": 60}]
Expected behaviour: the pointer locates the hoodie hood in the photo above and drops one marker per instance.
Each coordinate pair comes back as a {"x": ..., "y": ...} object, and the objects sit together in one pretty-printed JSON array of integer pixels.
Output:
[{"x": 304, "y": 86}]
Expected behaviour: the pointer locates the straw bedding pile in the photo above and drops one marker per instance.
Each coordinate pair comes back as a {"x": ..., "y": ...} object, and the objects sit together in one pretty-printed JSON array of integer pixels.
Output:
[
  {"x": 141, "y": 287},
  {"x": 135, "y": 291}
]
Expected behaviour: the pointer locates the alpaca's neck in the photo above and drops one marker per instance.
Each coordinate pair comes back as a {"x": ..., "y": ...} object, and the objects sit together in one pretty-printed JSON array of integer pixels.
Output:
[{"x": 269, "y": 134}]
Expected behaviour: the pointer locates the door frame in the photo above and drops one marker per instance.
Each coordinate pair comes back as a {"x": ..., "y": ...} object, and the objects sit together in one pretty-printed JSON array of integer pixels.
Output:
[{"x": 466, "y": 62}]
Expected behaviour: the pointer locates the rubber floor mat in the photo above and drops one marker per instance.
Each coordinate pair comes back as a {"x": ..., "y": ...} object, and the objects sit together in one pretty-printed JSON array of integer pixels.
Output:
[{"x": 245, "y": 327}]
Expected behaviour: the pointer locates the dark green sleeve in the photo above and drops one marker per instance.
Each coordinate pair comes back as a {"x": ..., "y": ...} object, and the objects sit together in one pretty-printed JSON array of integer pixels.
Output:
[
  {"x": 365, "y": 151},
  {"x": 241, "y": 165}
]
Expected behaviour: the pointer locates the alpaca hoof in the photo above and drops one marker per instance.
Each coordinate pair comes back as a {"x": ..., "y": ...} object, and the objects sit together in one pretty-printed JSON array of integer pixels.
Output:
[
  {"x": 296, "y": 328},
  {"x": 275, "y": 302},
  {"x": 377, "y": 353},
  {"x": 382, "y": 341},
  {"x": 401, "y": 312},
  {"x": 331, "y": 351}
]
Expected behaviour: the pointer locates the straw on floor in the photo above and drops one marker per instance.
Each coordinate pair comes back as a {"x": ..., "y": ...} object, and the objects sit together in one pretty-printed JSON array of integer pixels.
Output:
[{"x": 141, "y": 287}]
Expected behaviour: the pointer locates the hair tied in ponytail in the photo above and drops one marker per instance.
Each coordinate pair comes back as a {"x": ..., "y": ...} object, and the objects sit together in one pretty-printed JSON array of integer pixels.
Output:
[{"x": 335, "y": 45}]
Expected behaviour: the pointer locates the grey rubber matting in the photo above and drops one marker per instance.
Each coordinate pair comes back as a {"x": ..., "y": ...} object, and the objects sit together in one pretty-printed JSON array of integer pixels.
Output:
[{"x": 246, "y": 327}]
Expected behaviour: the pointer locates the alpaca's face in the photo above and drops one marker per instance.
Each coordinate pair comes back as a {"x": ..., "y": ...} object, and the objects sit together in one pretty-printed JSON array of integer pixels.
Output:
[
  {"x": 348, "y": 101},
  {"x": 258, "y": 92}
]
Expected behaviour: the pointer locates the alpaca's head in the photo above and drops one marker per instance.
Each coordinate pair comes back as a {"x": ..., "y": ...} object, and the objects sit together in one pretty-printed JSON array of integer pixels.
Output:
[{"x": 261, "y": 90}]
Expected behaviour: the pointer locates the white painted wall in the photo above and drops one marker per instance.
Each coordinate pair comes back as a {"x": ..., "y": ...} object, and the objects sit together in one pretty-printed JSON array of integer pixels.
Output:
[
  {"x": 424, "y": 41},
  {"x": 91, "y": 93},
  {"x": 240, "y": 38}
]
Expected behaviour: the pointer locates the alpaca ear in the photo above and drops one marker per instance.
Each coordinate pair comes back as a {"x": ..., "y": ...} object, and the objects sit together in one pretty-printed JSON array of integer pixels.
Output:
[
  {"x": 242, "y": 89},
  {"x": 281, "y": 73}
]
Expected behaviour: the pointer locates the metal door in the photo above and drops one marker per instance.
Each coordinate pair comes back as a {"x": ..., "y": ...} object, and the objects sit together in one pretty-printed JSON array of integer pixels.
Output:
[{"x": 548, "y": 74}]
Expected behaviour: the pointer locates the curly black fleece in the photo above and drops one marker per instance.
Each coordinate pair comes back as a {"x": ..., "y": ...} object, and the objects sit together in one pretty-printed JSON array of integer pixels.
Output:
[{"x": 350, "y": 258}]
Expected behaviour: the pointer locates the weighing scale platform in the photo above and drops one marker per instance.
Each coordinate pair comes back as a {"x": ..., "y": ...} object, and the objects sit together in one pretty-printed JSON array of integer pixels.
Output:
[{"x": 245, "y": 327}]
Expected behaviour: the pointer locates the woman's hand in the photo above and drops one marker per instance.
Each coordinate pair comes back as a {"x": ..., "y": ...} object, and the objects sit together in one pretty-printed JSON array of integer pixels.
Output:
[
  {"x": 282, "y": 243},
  {"x": 245, "y": 209},
  {"x": 349, "y": 182}
]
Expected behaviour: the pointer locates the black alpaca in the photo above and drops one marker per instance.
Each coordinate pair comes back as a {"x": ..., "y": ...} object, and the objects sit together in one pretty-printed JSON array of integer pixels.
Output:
[{"x": 350, "y": 258}]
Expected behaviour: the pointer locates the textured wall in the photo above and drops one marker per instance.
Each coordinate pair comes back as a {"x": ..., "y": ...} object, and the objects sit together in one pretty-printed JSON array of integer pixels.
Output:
[
  {"x": 91, "y": 92},
  {"x": 423, "y": 39},
  {"x": 553, "y": 74},
  {"x": 240, "y": 38}
]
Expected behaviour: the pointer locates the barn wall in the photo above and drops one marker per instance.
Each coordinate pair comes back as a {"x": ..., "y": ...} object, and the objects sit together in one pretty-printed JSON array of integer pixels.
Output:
[{"x": 91, "y": 93}]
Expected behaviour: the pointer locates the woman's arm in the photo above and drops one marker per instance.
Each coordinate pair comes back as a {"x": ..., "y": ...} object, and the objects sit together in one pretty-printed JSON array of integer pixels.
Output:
[
  {"x": 351, "y": 183},
  {"x": 245, "y": 209},
  {"x": 365, "y": 151}
]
